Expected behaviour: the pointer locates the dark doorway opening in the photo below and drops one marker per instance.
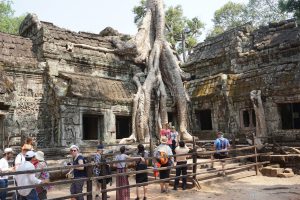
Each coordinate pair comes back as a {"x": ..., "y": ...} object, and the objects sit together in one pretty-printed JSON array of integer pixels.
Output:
[
  {"x": 92, "y": 126},
  {"x": 290, "y": 115},
  {"x": 123, "y": 126},
  {"x": 171, "y": 118},
  {"x": 203, "y": 119}
]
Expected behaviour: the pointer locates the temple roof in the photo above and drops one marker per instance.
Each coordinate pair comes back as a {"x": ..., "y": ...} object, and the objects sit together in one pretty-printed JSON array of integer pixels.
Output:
[{"x": 83, "y": 86}]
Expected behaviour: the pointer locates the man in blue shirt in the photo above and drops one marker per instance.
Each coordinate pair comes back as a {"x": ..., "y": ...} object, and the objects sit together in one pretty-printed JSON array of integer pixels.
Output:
[{"x": 221, "y": 144}]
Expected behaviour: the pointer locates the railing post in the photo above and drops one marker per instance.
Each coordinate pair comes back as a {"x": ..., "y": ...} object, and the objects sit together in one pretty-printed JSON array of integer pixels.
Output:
[
  {"x": 103, "y": 172},
  {"x": 194, "y": 160},
  {"x": 89, "y": 188},
  {"x": 255, "y": 151}
]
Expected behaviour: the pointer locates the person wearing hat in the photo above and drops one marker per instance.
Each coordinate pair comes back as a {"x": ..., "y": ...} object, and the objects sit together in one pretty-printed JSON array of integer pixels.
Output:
[
  {"x": 28, "y": 178},
  {"x": 98, "y": 158},
  {"x": 4, "y": 167},
  {"x": 40, "y": 163},
  {"x": 164, "y": 149},
  {"x": 20, "y": 159},
  {"x": 78, "y": 172}
]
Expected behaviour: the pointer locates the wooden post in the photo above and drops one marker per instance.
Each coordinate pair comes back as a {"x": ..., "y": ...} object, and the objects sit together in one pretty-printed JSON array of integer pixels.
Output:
[
  {"x": 194, "y": 160},
  {"x": 103, "y": 172},
  {"x": 151, "y": 151},
  {"x": 255, "y": 151},
  {"x": 89, "y": 182}
]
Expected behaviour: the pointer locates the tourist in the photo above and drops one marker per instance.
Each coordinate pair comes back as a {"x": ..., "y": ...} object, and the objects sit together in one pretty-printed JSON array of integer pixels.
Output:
[
  {"x": 181, "y": 160},
  {"x": 20, "y": 158},
  {"x": 4, "y": 167},
  {"x": 165, "y": 131},
  {"x": 221, "y": 146},
  {"x": 141, "y": 165},
  {"x": 98, "y": 158},
  {"x": 122, "y": 194},
  {"x": 77, "y": 173},
  {"x": 174, "y": 138},
  {"x": 162, "y": 153},
  {"x": 29, "y": 141},
  {"x": 40, "y": 163},
  {"x": 28, "y": 178}
]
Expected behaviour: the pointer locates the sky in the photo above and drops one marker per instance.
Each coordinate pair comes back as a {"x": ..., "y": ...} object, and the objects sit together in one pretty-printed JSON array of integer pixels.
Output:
[{"x": 95, "y": 15}]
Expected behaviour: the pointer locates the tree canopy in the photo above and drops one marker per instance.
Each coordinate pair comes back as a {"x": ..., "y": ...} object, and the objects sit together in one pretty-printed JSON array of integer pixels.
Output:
[
  {"x": 8, "y": 22},
  {"x": 290, "y": 6},
  {"x": 179, "y": 30},
  {"x": 258, "y": 12}
]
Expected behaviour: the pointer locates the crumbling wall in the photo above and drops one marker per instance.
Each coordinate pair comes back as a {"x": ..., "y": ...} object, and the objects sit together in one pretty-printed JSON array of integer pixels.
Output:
[{"x": 266, "y": 59}]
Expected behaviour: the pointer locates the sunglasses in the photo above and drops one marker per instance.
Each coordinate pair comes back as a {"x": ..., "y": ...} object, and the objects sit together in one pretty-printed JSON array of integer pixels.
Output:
[{"x": 73, "y": 150}]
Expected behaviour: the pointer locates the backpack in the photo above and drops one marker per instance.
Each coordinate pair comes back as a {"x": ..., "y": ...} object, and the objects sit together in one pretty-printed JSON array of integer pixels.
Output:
[
  {"x": 162, "y": 158},
  {"x": 221, "y": 145}
]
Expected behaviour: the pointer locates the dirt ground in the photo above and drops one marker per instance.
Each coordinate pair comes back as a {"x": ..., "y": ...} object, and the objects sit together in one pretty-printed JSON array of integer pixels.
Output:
[{"x": 250, "y": 188}]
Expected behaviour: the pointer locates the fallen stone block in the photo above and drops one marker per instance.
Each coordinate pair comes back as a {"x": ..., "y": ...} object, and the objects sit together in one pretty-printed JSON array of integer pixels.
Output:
[
  {"x": 288, "y": 170},
  {"x": 266, "y": 171},
  {"x": 276, "y": 171},
  {"x": 285, "y": 175}
]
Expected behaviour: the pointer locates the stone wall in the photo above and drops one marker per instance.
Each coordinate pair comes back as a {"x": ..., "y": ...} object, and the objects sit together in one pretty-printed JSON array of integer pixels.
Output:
[{"x": 231, "y": 65}]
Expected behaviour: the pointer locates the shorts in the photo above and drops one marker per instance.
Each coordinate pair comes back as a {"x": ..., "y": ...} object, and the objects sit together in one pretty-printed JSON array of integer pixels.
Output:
[
  {"x": 164, "y": 174},
  {"x": 220, "y": 156},
  {"x": 76, "y": 188}
]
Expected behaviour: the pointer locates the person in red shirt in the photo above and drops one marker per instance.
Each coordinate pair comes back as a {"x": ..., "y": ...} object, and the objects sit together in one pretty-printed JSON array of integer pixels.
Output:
[{"x": 165, "y": 131}]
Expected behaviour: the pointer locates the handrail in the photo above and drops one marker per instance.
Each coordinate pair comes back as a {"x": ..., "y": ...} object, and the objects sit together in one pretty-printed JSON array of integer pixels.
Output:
[
  {"x": 48, "y": 169},
  {"x": 123, "y": 174}
]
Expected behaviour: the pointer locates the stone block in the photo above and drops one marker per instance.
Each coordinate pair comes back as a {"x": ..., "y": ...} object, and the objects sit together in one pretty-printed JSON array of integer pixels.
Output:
[
  {"x": 276, "y": 171},
  {"x": 270, "y": 171},
  {"x": 288, "y": 170},
  {"x": 285, "y": 175},
  {"x": 266, "y": 171}
]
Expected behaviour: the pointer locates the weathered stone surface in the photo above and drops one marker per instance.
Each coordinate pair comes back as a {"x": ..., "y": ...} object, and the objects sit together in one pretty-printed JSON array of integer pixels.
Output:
[{"x": 266, "y": 59}]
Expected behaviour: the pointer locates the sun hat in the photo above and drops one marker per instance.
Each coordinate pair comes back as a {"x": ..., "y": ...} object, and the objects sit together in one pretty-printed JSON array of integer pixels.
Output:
[
  {"x": 8, "y": 150},
  {"x": 30, "y": 154},
  {"x": 40, "y": 156},
  {"x": 74, "y": 147},
  {"x": 164, "y": 140}
]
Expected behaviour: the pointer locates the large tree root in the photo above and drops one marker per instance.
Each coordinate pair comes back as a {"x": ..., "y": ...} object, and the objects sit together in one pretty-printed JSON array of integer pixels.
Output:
[{"x": 162, "y": 69}]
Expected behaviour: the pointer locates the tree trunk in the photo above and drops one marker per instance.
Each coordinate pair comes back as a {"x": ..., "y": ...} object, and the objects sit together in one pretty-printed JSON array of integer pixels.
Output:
[
  {"x": 261, "y": 127},
  {"x": 150, "y": 47}
]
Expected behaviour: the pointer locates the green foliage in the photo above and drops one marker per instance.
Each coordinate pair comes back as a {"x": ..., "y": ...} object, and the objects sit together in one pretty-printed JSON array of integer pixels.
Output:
[
  {"x": 9, "y": 23},
  {"x": 230, "y": 15},
  {"x": 290, "y": 6},
  {"x": 261, "y": 12},
  {"x": 176, "y": 26},
  {"x": 140, "y": 12},
  {"x": 258, "y": 12}
]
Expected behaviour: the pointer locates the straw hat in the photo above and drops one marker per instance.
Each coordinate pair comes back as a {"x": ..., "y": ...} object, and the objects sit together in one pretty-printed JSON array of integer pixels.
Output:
[
  {"x": 40, "y": 156},
  {"x": 164, "y": 140}
]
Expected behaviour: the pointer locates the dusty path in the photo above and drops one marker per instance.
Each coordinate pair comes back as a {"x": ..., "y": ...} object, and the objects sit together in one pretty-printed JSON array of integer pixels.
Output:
[{"x": 251, "y": 188}]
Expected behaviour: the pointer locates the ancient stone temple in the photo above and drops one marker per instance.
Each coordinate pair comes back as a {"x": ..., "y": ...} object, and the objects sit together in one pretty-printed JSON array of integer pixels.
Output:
[
  {"x": 63, "y": 87},
  {"x": 248, "y": 81},
  {"x": 60, "y": 91}
]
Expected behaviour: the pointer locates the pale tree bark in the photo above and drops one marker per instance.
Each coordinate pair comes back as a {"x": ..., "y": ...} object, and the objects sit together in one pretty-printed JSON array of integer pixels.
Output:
[
  {"x": 150, "y": 47},
  {"x": 261, "y": 127}
]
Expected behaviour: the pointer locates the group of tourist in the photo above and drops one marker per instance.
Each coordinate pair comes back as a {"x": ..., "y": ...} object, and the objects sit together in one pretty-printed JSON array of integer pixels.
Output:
[
  {"x": 170, "y": 144},
  {"x": 26, "y": 160}
]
